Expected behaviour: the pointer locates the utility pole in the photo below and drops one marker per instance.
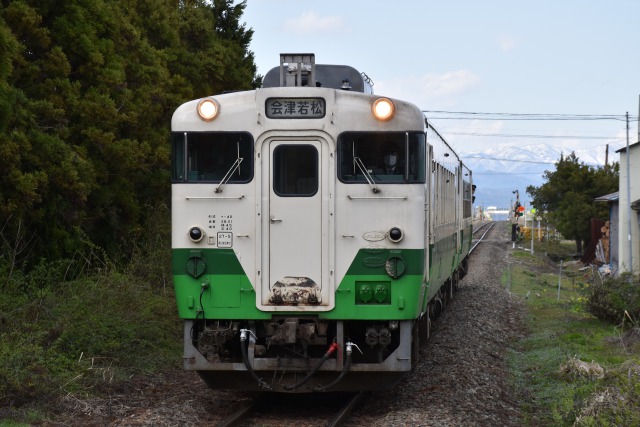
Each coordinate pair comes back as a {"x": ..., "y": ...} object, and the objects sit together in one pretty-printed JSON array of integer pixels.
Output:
[
  {"x": 629, "y": 199},
  {"x": 514, "y": 217}
]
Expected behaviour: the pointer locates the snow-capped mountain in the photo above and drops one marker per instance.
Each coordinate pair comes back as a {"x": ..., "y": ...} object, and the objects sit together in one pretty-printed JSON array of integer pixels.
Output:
[{"x": 500, "y": 170}]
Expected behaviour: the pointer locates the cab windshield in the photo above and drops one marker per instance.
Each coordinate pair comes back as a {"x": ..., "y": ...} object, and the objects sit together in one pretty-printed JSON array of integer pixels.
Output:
[
  {"x": 212, "y": 157},
  {"x": 382, "y": 157}
]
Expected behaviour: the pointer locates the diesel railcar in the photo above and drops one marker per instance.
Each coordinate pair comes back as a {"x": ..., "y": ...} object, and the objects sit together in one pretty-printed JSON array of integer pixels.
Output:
[{"x": 316, "y": 230}]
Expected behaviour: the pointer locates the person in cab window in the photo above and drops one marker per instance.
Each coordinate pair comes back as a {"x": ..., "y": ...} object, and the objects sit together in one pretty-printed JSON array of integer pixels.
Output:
[{"x": 391, "y": 163}]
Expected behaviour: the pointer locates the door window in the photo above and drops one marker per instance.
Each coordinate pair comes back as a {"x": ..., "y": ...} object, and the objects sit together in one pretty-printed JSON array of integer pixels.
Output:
[{"x": 295, "y": 170}]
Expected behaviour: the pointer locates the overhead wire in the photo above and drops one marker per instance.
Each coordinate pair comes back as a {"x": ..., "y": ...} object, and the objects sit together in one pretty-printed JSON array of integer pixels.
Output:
[
  {"x": 508, "y": 160},
  {"x": 473, "y": 115},
  {"x": 506, "y": 173},
  {"x": 526, "y": 116},
  {"x": 512, "y": 135}
]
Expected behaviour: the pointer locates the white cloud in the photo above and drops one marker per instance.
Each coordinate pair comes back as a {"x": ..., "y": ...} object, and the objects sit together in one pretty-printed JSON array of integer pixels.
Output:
[
  {"x": 451, "y": 83},
  {"x": 311, "y": 22},
  {"x": 507, "y": 42},
  {"x": 431, "y": 88}
]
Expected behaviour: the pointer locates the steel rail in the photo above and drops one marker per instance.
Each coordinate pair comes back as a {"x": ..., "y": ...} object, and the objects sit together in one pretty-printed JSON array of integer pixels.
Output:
[
  {"x": 490, "y": 226},
  {"x": 483, "y": 225},
  {"x": 243, "y": 412},
  {"x": 344, "y": 413}
]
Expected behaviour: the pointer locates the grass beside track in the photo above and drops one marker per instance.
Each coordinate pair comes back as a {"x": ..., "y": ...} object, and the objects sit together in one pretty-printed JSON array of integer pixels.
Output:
[
  {"x": 571, "y": 368},
  {"x": 70, "y": 340}
]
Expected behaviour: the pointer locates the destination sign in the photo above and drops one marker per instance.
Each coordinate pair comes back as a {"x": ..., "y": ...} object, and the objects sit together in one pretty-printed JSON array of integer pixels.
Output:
[{"x": 295, "y": 108}]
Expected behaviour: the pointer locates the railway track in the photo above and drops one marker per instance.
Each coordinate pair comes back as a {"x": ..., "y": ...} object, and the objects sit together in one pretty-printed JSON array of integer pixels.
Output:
[
  {"x": 484, "y": 228},
  {"x": 291, "y": 405},
  {"x": 294, "y": 406},
  {"x": 242, "y": 413}
]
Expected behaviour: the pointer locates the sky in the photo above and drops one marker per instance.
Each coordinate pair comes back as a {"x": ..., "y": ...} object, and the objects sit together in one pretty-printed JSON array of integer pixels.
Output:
[{"x": 573, "y": 60}]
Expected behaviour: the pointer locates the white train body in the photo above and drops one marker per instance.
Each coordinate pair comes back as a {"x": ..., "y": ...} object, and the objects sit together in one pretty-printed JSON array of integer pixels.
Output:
[{"x": 303, "y": 235}]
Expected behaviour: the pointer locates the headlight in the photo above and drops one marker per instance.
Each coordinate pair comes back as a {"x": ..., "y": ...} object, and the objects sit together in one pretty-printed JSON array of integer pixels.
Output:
[
  {"x": 395, "y": 234},
  {"x": 383, "y": 109},
  {"x": 196, "y": 234},
  {"x": 208, "y": 109}
]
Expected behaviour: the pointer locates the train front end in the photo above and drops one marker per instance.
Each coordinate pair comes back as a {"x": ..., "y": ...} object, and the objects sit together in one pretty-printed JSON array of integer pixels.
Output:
[{"x": 299, "y": 218}]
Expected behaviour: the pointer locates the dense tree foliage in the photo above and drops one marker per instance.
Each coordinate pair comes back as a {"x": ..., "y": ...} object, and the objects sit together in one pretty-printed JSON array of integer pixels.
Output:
[
  {"x": 87, "y": 89},
  {"x": 566, "y": 199}
]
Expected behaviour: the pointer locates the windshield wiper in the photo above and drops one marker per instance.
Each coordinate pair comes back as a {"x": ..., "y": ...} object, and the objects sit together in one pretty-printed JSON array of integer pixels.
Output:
[
  {"x": 227, "y": 176},
  {"x": 364, "y": 171}
]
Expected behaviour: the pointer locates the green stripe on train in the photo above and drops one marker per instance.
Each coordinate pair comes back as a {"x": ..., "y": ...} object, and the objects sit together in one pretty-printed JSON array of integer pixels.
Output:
[
  {"x": 218, "y": 261},
  {"x": 229, "y": 294}
]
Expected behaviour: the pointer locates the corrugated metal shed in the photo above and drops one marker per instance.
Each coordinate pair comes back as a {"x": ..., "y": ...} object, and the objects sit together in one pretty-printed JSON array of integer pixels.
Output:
[
  {"x": 613, "y": 201},
  {"x": 613, "y": 197}
]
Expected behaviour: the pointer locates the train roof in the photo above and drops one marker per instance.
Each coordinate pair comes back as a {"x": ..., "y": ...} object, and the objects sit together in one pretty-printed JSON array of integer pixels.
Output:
[{"x": 342, "y": 77}]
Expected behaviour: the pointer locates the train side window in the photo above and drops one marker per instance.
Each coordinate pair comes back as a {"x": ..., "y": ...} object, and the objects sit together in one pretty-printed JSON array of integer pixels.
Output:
[
  {"x": 467, "y": 199},
  {"x": 295, "y": 170},
  {"x": 209, "y": 156},
  {"x": 177, "y": 156}
]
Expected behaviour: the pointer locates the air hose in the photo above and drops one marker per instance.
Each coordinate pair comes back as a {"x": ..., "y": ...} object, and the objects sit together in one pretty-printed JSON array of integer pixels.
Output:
[
  {"x": 245, "y": 358},
  {"x": 345, "y": 370},
  {"x": 334, "y": 346},
  {"x": 204, "y": 286}
]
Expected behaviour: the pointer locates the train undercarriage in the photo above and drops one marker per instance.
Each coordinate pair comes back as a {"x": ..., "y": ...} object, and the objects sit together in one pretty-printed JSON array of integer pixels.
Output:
[
  {"x": 306, "y": 354},
  {"x": 298, "y": 354}
]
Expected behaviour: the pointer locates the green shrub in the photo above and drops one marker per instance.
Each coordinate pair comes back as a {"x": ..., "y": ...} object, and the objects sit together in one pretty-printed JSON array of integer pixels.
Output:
[
  {"x": 117, "y": 319},
  {"x": 615, "y": 299}
]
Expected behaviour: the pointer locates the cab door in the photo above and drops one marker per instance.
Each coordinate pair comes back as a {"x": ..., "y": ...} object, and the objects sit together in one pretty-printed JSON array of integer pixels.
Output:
[{"x": 297, "y": 258}]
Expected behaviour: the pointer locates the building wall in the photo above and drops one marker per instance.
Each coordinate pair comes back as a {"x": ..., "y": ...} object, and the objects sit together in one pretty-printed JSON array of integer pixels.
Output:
[
  {"x": 614, "y": 235},
  {"x": 624, "y": 245}
]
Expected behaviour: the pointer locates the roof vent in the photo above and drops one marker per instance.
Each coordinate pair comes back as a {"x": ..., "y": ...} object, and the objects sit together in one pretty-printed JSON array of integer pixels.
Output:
[{"x": 297, "y": 69}]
